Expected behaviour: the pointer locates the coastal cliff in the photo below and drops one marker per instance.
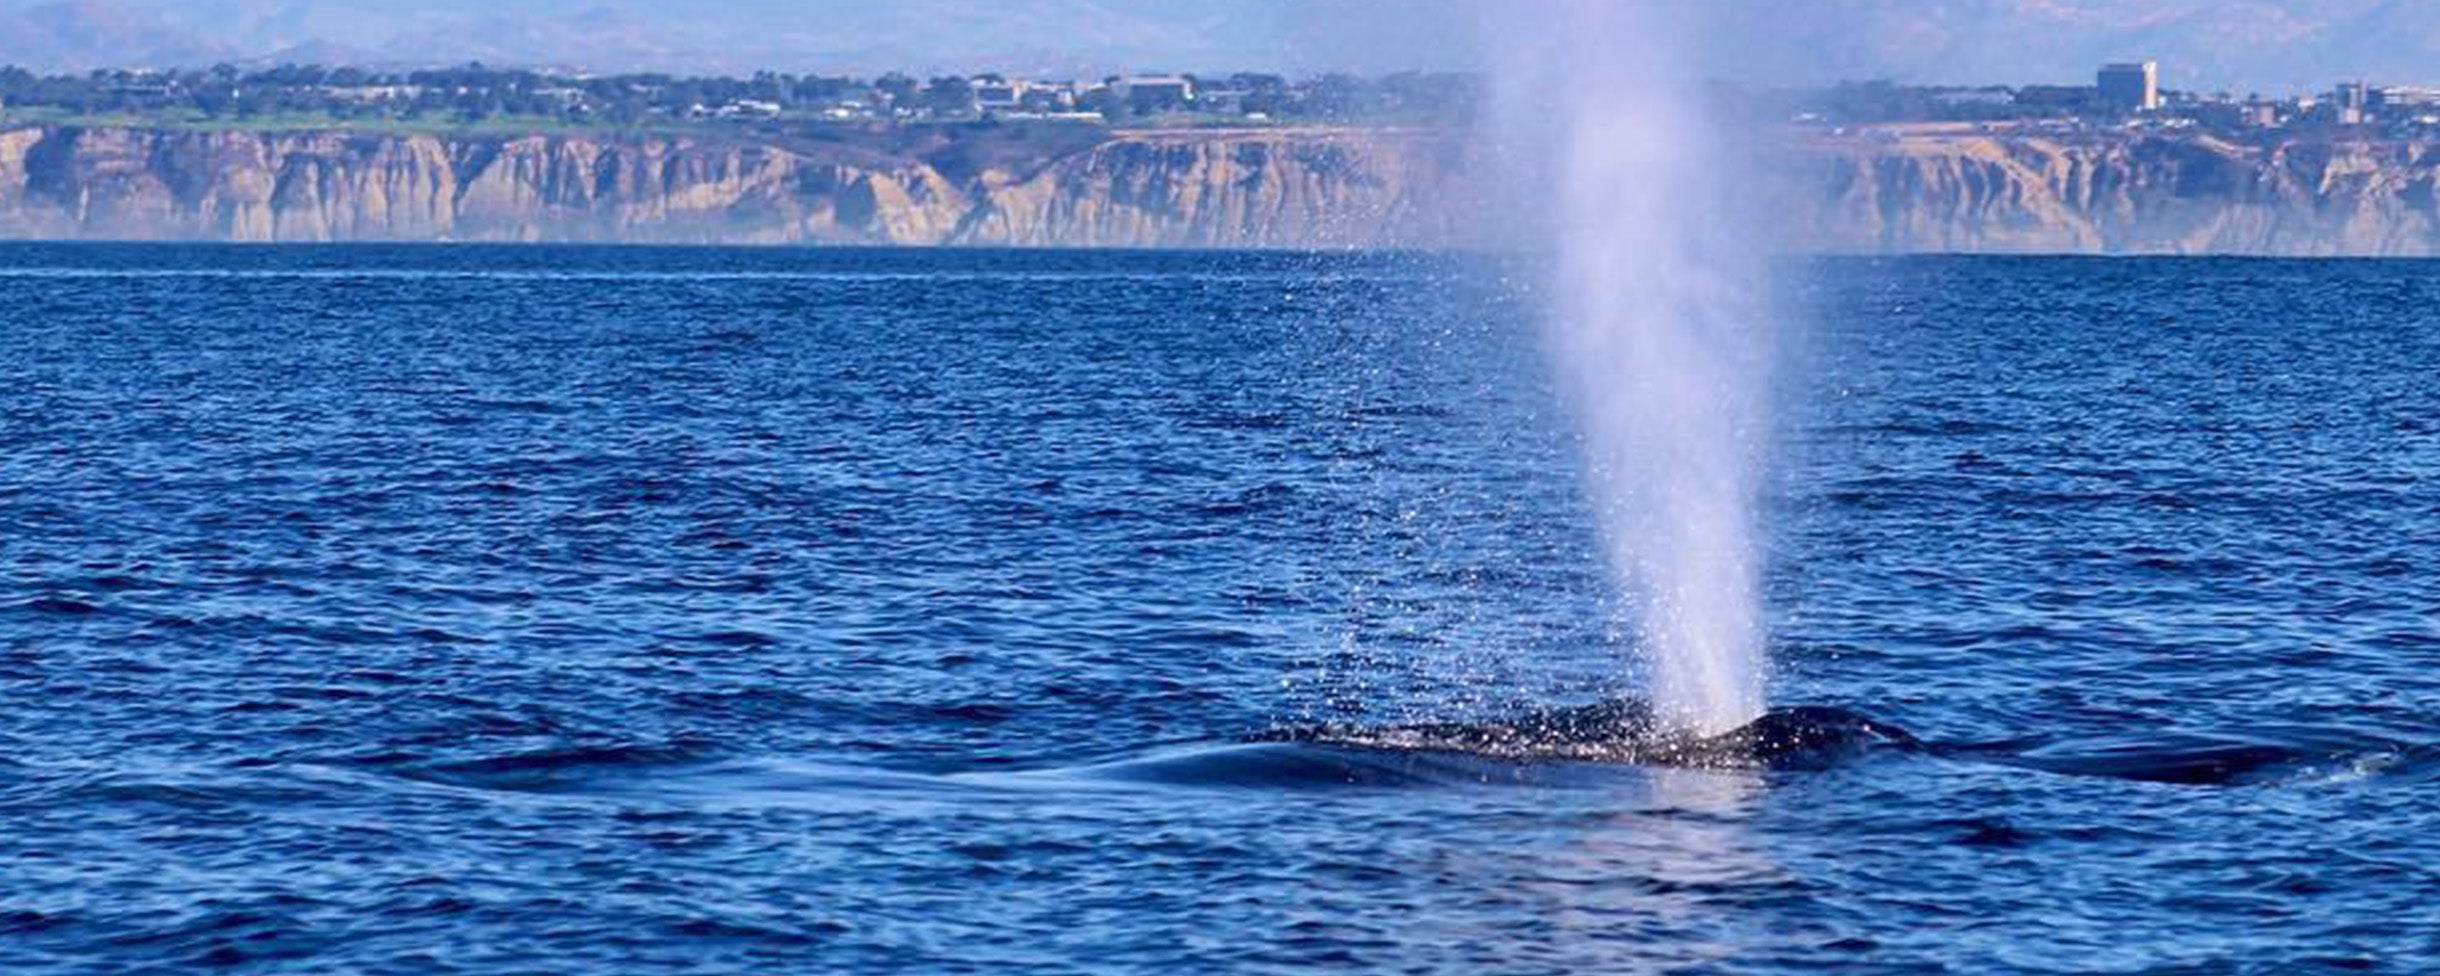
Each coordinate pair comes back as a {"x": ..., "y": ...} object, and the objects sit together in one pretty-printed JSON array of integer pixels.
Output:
[
  {"x": 1958, "y": 190},
  {"x": 1900, "y": 190},
  {"x": 1251, "y": 188}
]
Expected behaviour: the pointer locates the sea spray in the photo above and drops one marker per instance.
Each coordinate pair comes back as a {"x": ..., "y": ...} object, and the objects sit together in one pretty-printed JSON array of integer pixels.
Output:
[{"x": 1657, "y": 322}]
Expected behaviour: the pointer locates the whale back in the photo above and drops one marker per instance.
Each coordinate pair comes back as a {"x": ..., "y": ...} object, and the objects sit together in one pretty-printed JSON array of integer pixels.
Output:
[{"x": 1626, "y": 730}]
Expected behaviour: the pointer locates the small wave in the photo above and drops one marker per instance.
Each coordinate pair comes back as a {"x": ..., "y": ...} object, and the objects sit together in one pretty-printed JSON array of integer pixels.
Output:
[
  {"x": 266, "y": 930},
  {"x": 27, "y": 921},
  {"x": 154, "y": 790},
  {"x": 60, "y": 606},
  {"x": 2213, "y": 760},
  {"x": 549, "y": 770}
]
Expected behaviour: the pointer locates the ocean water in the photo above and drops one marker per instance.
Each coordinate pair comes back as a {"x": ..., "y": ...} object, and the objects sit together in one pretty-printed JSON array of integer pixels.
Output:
[{"x": 605, "y": 611}]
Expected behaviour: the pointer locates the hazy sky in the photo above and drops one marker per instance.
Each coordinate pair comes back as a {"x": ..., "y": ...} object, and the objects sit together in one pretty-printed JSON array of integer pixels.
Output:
[
  {"x": 733, "y": 35},
  {"x": 2270, "y": 45}
]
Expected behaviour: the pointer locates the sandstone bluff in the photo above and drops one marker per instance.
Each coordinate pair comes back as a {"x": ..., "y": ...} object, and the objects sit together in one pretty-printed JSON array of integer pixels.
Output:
[
  {"x": 1961, "y": 190},
  {"x": 1073, "y": 186},
  {"x": 1912, "y": 190}
]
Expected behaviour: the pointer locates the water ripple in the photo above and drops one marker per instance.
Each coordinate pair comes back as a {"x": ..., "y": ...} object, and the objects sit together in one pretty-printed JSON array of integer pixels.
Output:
[{"x": 412, "y": 610}]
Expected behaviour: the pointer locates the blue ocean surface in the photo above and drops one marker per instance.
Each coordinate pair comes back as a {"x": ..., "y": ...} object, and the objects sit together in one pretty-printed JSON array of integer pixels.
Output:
[{"x": 633, "y": 611}]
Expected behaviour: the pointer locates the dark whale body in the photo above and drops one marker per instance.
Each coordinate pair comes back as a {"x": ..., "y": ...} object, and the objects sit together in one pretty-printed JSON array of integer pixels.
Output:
[
  {"x": 1627, "y": 731},
  {"x": 1806, "y": 738}
]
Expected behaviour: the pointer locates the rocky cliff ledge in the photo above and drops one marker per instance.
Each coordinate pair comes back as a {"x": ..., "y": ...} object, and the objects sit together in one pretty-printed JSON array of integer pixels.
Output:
[
  {"x": 1916, "y": 189},
  {"x": 1253, "y": 188},
  {"x": 1956, "y": 189}
]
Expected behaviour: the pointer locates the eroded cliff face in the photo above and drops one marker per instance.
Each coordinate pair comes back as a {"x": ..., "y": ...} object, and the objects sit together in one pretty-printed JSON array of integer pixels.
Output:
[
  {"x": 1922, "y": 189},
  {"x": 1966, "y": 192},
  {"x": 1285, "y": 188},
  {"x": 1280, "y": 188}
]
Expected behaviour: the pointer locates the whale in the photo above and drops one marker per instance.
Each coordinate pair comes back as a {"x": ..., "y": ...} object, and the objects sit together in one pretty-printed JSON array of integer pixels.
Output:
[
  {"x": 1629, "y": 731},
  {"x": 1814, "y": 738}
]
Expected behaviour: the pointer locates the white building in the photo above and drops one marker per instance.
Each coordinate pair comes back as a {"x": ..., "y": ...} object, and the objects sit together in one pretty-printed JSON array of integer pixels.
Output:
[
  {"x": 999, "y": 94},
  {"x": 746, "y": 108},
  {"x": 1153, "y": 92}
]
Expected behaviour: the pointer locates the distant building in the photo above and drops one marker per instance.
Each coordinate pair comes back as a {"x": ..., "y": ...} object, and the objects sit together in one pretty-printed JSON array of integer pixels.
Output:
[
  {"x": 998, "y": 95},
  {"x": 1975, "y": 97},
  {"x": 2405, "y": 97},
  {"x": 1221, "y": 101},
  {"x": 747, "y": 108},
  {"x": 1155, "y": 93},
  {"x": 366, "y": 94},
  {"x": 1045, "y": 98},
  {"x": 2130, "y": 87},
  {"x": 2353, "y": 102}
]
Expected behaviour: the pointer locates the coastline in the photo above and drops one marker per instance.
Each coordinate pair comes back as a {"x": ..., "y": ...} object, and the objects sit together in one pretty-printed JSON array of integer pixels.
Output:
[
  {"x": 1920, "y": 190},
  {"x": 1288, "y": 187}
]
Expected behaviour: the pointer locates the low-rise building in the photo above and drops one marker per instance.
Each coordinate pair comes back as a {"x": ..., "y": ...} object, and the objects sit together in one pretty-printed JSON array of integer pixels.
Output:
[
  {"x": 1155, "y": 93},
  {"x": 1975, "y": 97},
  {"x": 747, "y": 108},
  {"x": 995, "y": 94},
  {"x": 2404, "y": 97},
  {"x": 1221, "y": 101}
]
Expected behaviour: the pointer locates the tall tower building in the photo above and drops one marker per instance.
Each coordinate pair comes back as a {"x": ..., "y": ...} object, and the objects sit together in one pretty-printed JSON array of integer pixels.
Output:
[{"x": 2131, "y": 87}]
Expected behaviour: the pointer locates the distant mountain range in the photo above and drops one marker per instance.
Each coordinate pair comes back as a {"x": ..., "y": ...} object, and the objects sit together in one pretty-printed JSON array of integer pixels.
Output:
[{"x": 2267, "y": 45}]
